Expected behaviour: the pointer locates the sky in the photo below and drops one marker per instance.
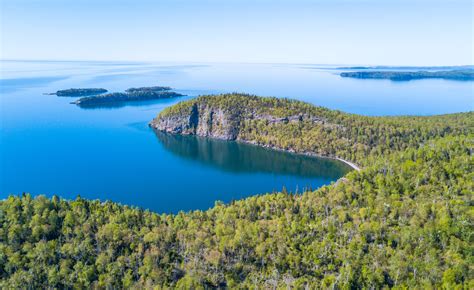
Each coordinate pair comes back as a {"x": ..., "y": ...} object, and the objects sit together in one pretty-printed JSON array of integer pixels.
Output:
[{"x": 372, "y": 32}]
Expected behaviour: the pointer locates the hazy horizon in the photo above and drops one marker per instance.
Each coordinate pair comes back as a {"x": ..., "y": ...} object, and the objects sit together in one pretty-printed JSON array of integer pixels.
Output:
[
  {"x": 230, "y": 62},
  {"x": 396, "y": 33}
]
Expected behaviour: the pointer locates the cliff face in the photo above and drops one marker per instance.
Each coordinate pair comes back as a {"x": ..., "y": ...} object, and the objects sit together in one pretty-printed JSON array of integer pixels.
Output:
[
  {"x": 224, "y": 117},
  {"x": 201, "y": 120},
  {"x": 210, "y": 120},
  {"x": 295, "y": 126}
]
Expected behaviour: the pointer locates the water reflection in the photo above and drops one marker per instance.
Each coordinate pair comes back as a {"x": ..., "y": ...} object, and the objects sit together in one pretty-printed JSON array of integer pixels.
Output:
[
  {"x": 14, "y": 84},
  {"x": 138, "y": 103},
  {"x": 238, "y": 157}
]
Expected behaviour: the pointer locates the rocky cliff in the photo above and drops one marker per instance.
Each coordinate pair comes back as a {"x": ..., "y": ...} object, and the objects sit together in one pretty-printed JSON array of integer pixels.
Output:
[
  {"x": 201, "y": 120},
  {"x": 220, "y": 120},
  {"x": 299, "y": 127}
]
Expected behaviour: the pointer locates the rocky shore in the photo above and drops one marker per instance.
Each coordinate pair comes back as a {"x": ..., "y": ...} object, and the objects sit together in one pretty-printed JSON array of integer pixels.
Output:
[{"x": 204, "y": 119}]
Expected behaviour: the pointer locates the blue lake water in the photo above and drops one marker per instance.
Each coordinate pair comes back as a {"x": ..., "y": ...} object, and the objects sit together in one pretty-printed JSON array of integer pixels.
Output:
[{"x": 49, "y": 146}]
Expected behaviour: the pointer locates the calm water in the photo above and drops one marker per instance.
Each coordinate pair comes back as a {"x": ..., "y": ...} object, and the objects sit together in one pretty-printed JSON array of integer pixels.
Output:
[{"x": 49, "y": 146}]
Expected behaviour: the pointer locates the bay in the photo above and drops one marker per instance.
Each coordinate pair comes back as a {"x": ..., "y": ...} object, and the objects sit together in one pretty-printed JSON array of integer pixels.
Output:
[{"x": 49, "y": 146}]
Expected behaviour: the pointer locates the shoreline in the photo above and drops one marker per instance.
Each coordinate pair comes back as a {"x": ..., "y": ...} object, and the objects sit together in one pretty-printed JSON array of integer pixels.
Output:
[
  {"x": 353, "y": 165},
  {"x": 350, "y": 164}
]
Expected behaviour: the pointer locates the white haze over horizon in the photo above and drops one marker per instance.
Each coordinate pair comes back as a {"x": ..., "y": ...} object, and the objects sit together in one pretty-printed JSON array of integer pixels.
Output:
[{"x": 365, "y": 32}]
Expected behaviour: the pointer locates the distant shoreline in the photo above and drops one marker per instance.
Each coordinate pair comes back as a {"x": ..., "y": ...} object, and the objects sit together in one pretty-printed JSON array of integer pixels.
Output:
[
  {"x": 387, "y": 67},
  {"x": 457, "y": 75}
]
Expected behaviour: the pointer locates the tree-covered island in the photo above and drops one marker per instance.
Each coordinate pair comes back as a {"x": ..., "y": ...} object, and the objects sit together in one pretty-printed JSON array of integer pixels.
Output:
[
  {"x": 130, "y": 95},
  {"x": 459, "y": 75},
  {"x": 79, "y": 92}
]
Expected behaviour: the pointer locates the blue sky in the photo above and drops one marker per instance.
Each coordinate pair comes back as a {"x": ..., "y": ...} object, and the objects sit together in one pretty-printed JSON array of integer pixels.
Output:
[{"x": 391, "y": 32}]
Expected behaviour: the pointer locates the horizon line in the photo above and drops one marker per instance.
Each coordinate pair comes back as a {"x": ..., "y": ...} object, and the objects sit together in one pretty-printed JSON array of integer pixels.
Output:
[{"x": 232, "y": 62}]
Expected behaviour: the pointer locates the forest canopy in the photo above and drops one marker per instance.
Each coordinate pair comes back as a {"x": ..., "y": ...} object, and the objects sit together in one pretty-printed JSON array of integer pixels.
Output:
[{"x": 403, "y": 221}]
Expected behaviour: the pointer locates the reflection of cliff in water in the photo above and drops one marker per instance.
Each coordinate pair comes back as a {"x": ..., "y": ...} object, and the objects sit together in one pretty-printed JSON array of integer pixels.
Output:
[{"x": 244, "y": 158}]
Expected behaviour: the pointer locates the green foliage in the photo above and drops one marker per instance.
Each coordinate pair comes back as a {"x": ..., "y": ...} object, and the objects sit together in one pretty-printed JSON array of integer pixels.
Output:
[
  {"x": 403, "y": 221},
  {"x": 304, "y": 128},
  {"x": 458, "y": 74}
]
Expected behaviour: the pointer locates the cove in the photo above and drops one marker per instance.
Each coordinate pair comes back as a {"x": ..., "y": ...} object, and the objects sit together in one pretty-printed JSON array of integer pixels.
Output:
[
  {"x": 49, "y": 146},
  {"x": 238, "y": 157}
]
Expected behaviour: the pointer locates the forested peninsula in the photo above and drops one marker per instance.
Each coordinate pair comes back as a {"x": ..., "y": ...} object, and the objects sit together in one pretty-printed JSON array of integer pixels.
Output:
[
  {"x": 404, "y": 220},
  {"x": 300, "y": 127}
]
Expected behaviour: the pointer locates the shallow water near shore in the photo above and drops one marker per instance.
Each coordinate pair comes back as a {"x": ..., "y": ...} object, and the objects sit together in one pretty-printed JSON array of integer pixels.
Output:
[{"x": 49, "y": 146}]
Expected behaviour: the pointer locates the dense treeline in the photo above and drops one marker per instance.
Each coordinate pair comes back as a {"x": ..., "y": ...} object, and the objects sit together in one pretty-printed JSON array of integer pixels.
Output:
[
  {"x": 117, "y": 99},
  {"x": 79, "y": 92},
  {"x": 403, "y": 221},
  {"x": 458, "y": 74},
  {"x": 326, "y": 132}
]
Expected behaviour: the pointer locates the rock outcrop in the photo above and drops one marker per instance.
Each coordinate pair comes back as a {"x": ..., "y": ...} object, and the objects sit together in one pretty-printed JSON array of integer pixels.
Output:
[
  {"x": 201, "y": 120},
  {"x": 221, "y": 122}
]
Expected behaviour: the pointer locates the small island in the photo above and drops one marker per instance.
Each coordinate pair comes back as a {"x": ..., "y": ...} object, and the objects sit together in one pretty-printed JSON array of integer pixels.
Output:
[
  {"x": 459, "y": 75},
  {"x": 148, "y": 89},
  {"x": 79, "y": 92},
  {"x": 130, "y": 95}
]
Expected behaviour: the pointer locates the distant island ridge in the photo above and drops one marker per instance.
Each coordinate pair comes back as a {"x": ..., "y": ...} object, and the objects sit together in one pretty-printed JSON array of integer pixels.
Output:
[
  {"x": 387, "y": 67},
  {"x": 459, "y": 75}
]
